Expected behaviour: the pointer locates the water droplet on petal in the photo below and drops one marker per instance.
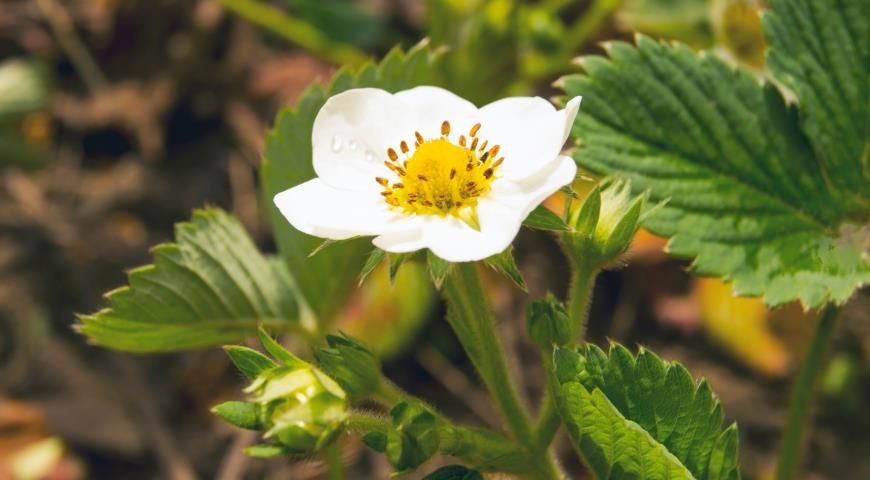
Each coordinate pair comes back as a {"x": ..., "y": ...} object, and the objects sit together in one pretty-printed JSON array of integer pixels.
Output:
[
  {"x": 336, "y": 144},
  {"x": 370, "y": 157},
  {"x": 352, "y": 145}
]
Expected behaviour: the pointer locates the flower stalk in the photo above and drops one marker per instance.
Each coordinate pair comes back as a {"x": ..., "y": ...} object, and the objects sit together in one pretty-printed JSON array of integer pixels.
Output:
[
  {"x": 471, "y": 319},
  {"x": 802, "y": 396}
]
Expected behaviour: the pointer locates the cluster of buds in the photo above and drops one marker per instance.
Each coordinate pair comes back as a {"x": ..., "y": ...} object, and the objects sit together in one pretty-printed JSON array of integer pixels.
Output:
[{"x": 298, "y": 408}]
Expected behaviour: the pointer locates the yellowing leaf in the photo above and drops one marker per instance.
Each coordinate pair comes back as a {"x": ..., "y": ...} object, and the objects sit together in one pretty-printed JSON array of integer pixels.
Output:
[{"x": 741, "y": 326}]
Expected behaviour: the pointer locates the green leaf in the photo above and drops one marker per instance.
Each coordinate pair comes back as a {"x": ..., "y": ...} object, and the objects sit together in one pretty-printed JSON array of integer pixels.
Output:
[
  {"x": 640, "y": 417},
  {"x": 249, "y": 361},
  {"x": 438, "y": 268},
  {"x": 821, "y": 51},
  {"x": 543, "y": 219},
  {"x": 327, "y": 279},
  {"x": 454, "y": 472},
  {"x": 240, "y": 414},
  {"x": 210, "y": 287},
  {"x": 747, "y": 200},
  {"x": 504, "y": 263}
]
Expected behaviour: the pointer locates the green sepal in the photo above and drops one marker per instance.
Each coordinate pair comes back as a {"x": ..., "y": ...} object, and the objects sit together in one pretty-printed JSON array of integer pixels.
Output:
[
  {"x": 326, "y": 243},
  {"x": 396, "y": 260},
  {"x": 504, "y": 263},
  {"x": 438, "y": 268},
  {"x": 241, "y": 414},
  {"x": 542, "y": 218},
  {"x": 249, "y": 361},
  {"x": 267, "y": 450},
  {"x": 372, "y": 262},
  {"x": 454, "y": 472},
  {"x": 584, "y": 219},
  {"x": 547, "y": 323},
  {"x": 413, "y": 439},
  {"x": 377, "y": 441},
  {"x": 278, "y": 352}
]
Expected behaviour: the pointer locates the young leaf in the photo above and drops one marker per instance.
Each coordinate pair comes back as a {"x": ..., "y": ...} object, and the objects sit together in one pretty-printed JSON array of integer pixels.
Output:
[
  {"x": 642, "y": 417},
  {"x": 504, "y": 263},
  {"x": 821, "y": 51},
  {"x": 210, "y": 287},
  {"x": 327, "y": 278},
  {"x": 543, "y": 219},
  {"x": 747, "y": 199}
]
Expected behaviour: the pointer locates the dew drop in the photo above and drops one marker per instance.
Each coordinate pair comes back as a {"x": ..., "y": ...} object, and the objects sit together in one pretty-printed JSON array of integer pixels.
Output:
[
  {"x": 370, "y": 156},
  {"x": 352, "y": 145},
  {"x": 336, "y": 144}
]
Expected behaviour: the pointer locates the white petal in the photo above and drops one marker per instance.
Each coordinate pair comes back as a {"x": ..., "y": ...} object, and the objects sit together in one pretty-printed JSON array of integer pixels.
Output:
[
  {"x": 319, "y": 209},
  {"x": 453, "y": 240},
  {"x": 501, "y": 214},
  {"x": 523, "y": 196},
  {"x": 530, "y": 130},
  {"x": 431, "y": 106},
  {"x": 351, "y": 135}
]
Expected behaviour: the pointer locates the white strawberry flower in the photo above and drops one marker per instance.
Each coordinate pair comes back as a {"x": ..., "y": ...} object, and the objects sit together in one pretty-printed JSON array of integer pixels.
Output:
[{"x": 424, "y": 168}]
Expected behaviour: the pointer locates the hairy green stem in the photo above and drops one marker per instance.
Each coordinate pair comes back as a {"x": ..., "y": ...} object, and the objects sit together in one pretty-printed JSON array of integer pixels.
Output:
[
  {"x": 471, "y": 319},
  {"x": 296, "y": 31},
  {"x": 802, "y": 396},
  {"x": 579, "y": 295}
]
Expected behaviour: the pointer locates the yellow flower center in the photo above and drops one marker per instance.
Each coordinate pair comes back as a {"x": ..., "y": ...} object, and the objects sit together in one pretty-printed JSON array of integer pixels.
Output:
[{"x": 441, "y": 177}]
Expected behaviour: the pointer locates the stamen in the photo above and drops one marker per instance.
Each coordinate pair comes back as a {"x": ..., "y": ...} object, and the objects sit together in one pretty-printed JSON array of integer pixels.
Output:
[{"x": 431, "y": 180}]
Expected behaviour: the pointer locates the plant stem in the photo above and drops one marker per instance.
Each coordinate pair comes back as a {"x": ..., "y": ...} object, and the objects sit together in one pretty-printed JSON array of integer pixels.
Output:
[
  {"x": 802, "y": 396},
  {"x": 335, "y": 467},
  {"x": 471, "y": 319},
  {"x": 579, "y": 295},
  {"x": 296, "y": 31}
]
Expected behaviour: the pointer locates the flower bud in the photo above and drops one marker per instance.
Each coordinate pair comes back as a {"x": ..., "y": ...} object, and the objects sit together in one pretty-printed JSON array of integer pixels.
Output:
[
  {"x": 351, "y": 364},
  {"x": 299, "y": 408},
  {"x": 547, "y": 323},
  {"x": 604, "y": 225}
]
